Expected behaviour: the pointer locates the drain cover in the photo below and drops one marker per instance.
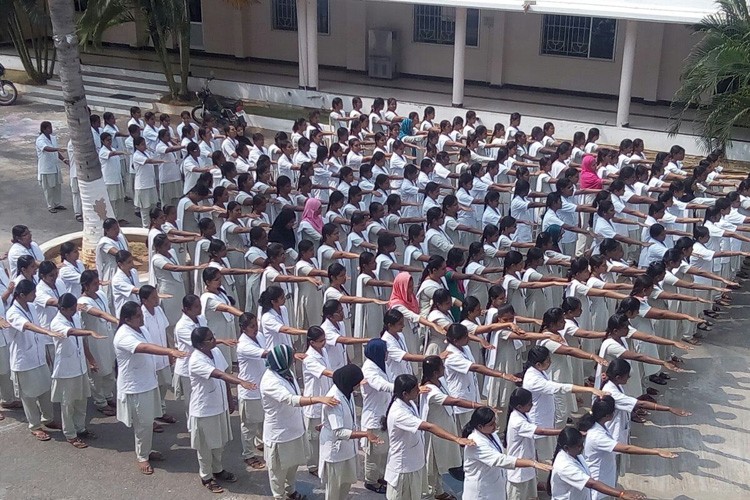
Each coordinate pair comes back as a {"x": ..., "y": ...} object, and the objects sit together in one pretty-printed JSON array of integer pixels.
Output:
[{"x": 122, "y": 96}]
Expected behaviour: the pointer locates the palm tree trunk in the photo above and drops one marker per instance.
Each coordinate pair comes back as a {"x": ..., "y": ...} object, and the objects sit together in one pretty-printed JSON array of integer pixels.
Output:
[
  {"x": 96, "y": 205},
  {"x": 184, "y": 50}
]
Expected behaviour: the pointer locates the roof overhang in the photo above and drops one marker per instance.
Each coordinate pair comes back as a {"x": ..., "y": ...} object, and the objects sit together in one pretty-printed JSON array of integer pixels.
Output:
[{"x": 660, "y": 11}]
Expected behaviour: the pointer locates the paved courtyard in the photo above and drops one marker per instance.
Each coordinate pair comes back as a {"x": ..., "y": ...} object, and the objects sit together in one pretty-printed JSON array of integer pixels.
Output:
[{"x": 713, "y": 444}]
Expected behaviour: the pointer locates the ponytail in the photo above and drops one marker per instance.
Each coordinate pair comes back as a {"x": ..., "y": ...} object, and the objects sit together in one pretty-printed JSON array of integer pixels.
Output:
[
  {"x": 481, "y": 416},
  {"x": 403, "y": 383}
]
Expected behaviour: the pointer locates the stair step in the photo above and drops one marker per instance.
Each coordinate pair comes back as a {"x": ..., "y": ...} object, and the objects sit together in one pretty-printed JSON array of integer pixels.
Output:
[
  {"x": 117, "y": 106},
  {"x": 126, "y": 74},
  {"x": 110, "y": 90}
]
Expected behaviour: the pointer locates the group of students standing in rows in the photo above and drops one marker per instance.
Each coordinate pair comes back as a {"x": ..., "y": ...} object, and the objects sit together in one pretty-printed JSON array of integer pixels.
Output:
[{"x": 246, "y": 273}]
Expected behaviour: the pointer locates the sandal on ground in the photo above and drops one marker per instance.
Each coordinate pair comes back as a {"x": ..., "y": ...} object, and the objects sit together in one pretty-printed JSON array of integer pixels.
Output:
[
  {"x": 212, "y": 486},
  {"x": 377, "y": 488},
  {"x": 107, "y": 411},
  {"x": 664, "y": 376},
  {"x": 158, "y": 428},
  {"x": 167, "y": 419},
  {"x": 87, "y": 434},
  {"x": 155, "y": 456},
  {"x": 297, "y": 496},
  {"x": 76, "y": 442},
  {"x": 676, "y": 359},
  {"x": 145, "y": 468},
  {"x": 13, "y": 405},
  {"x": 52, "y": 210},
  {"x": 445, "y": 496},
  {"x": 79, "y": 217},
  {"x": 41, "y": 435},
  {"x": 704, "y": 327},
  {"x": 225, "y": 475},
  {"x": 711, "y": 314},
  {"x": 254, "y": 463},
  {"x": 657, "y": 380},
  {"x": 60, "y": 207}
]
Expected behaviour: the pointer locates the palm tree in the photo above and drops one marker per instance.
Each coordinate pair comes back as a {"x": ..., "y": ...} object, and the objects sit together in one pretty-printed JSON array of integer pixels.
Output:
[
  {"x": 165, "y": 20},
  {"x": 96, "y": 205},
  {"x": 716, "y": 76},
  {"x": 27, "y": 24}
]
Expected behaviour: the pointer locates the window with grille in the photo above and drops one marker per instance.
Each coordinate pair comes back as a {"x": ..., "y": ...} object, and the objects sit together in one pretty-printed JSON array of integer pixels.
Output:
[
  {"x": 438, "y": 25},
  {"x": 576, "y": 36},
  {"x": 284, "y": 15}
]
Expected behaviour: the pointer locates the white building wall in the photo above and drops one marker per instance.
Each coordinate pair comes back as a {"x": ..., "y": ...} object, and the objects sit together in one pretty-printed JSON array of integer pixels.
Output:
[{"x": 508, "y": 52}]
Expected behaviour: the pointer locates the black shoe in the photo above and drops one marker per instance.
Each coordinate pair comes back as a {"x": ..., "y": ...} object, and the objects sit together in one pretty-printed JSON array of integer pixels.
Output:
[
  {"x": 657, "y": 380},
  {"x": 377, "y": 488}
]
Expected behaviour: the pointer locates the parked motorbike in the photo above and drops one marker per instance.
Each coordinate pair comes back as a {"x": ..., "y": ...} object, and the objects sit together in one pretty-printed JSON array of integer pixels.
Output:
[
  {"x": 8, "y": 92},
  {"x": 223, "y": 110}
]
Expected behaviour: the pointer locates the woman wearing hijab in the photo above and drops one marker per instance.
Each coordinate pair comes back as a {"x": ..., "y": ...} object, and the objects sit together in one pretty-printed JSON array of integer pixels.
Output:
[
  {"x": 338, "y": 445},
  {"x": 284, "y": 426},
  {"x": 311, "y": 225},
  {"x": 403, "y": 300},
  {"x": 282, "y": 231},
  {"x": 376, "y": 395}
]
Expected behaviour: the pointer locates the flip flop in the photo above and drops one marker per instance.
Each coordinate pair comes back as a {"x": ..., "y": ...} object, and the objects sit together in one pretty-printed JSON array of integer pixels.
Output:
[
  {"x": 377, "y": 488},
  {"x": 158, "y": 428},
  {"x": 254, "y": 463},
  {"x": 145, "y": 468},
  {"x": 41, "y": 435},
  {"x": 212, "y": 486},
  {"x": 78, "y": 443},
  {"x": 79, "y": 217},
  {"x": 167, "y": 419},
  {"x": 52, "y": 210}
]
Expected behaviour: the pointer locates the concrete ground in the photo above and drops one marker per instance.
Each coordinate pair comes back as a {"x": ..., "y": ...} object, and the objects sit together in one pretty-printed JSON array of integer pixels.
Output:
[{"x": 712, "y": 444}]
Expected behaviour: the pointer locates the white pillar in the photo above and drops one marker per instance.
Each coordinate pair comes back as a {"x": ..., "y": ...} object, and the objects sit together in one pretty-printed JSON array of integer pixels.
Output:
[
  {"x": 626, "y": 77},
  {"x": 459, "y": 52},
  {"x": 302, "y": 41},
  {"x": 312, "y": 44}
]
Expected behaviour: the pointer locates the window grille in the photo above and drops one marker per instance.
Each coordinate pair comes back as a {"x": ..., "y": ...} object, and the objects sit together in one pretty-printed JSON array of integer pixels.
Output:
[
  {"x": 284, "y": 15},
  {"x": 438, "y": 25},
  {"x": 577, "y": 36}
]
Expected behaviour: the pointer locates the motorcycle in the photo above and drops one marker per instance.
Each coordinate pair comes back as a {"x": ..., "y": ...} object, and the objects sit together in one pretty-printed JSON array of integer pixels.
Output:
[
  {"x": 218, "y": 108},
  {"x": 8, "y": 92}
]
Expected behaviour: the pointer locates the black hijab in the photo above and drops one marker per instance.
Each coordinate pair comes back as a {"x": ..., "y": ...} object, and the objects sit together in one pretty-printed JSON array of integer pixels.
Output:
[
  {"x": 347, "y": 377},
  {"x": 280, "y": 233}
]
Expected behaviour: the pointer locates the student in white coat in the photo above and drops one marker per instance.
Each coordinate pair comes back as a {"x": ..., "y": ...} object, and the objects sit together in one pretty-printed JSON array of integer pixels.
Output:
[
  {"x": 284, "y": 426},
  {"x": 28, "y": 360},
  {"x": 190, "y": 320},
  {"x": 543, "y": 390},
  {"x": 376, "y": 394},
  {"x": 519, "y": 437},
  {"x": 23, "y": 244},
  {"x": 251, "y": 356},
  {"x": 95, "y": 315},
  {"x": 48, "y": 170},
  {"x": 339, "y": 435},
  {"x": 138, "y": 401},
  {"x": 316, "y": 375},
  {"x": 405, "y": 467},
  {"x": 155, "y": 325},
  {"x": 70, "y": 384},
  {"x": 486, "y": 463},
  {"x": 600, "y": 448},
  {"x": 211, "y": 402},
  {"x": 70, "y": 268},
  {"x": 125, "y": 282},
  {"x": 571, "y": 478}
]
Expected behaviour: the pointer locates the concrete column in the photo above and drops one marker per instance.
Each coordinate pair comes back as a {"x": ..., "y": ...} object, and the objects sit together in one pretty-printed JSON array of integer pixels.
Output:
[
  {"x": 497, "y": 53},
  {"x": 459, "y": 53},
  {"x": 356, "y": 35},
  {"x": 626, "y": 77},
  {"x": 312, "y": 44},
  {"x": 302, "y": 41}
]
